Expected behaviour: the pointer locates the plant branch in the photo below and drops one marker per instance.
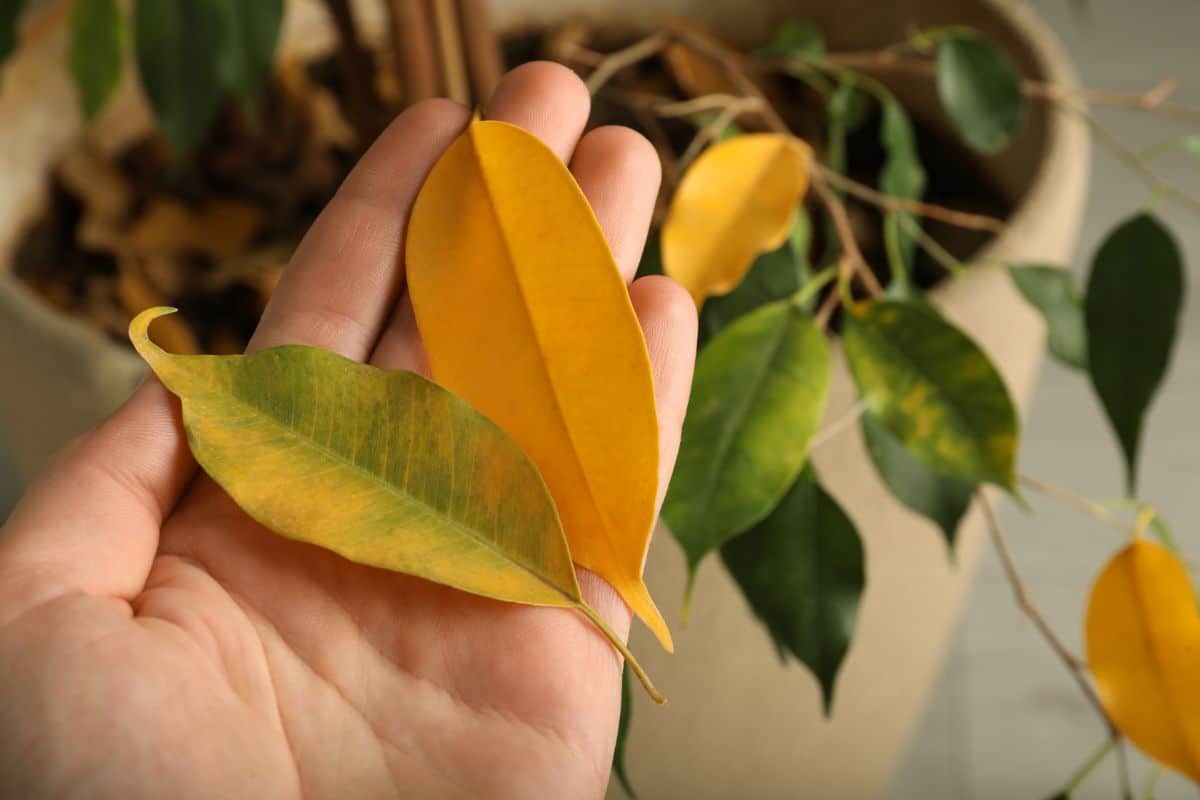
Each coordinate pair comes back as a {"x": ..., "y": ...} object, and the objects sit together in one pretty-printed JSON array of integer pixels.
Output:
[
  {"x": 626, "y": 57},
  {"x": 731, "y": 64},
  {"x": 959, "y": 219},
  {"x": 1073, "y": 664},
  {"x": 853, "y": 260},
  {"x": 354, "y": 66},
  {"x": 1087, "y": 506}
]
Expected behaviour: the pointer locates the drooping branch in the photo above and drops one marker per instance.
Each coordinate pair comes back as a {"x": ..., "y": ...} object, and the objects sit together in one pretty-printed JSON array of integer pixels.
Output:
[{"x": 1074, "y": 665}]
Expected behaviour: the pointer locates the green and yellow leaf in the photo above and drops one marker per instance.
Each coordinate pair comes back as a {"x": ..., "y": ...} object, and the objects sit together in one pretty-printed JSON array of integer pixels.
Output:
[
  {"x": 735, "y": 202},
  {"x": 934, "y": 390},
  {"x": 523, "y": 312},
  {"x": 1143, "y": 650},
  {"x": 384, "y": 468}
]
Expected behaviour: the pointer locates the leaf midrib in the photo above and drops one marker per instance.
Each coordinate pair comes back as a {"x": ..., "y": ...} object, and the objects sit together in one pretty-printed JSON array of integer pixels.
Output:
[
  {"x": 554, "y": 394},
  {"x": 393, "y": 489},
  {"x": 741, "y": 411}
]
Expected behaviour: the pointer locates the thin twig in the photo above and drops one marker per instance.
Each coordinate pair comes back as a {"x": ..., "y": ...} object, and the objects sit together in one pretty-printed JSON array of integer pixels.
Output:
[
  {"x": 959, "y": 219},
  {"x": 731, "y": 64},
  {"x": 1073, "y": 664},
  {"x": 841, "y": 222},
  {"x": 1079, "y": 502},
  {"x": 1152, "y": 101},
  {"x": 626, "y": 57},
  {"x": 1135, "y": 163},
  {"x": 713, "y": 129},
  {"x": 836, "y": 427}
]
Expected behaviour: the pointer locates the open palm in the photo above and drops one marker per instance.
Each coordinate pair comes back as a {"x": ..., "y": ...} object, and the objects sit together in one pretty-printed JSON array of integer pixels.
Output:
[{"x": 156, "y": 642}]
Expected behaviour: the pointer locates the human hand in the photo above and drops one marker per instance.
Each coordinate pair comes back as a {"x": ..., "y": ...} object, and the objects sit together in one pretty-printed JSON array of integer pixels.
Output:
[{"x": 156, "y": 642}]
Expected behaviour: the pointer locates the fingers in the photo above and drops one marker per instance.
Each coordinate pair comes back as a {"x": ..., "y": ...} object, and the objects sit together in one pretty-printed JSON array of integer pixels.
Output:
[
  {"x": 90, "y": 523},
  {"x": 546, "y": 99},
  {"x": 668, "y": 318},
  {"x": 619, "y": 171},
  {"x": 549, "y": 101},
  {"x": 344, "y": 278}
]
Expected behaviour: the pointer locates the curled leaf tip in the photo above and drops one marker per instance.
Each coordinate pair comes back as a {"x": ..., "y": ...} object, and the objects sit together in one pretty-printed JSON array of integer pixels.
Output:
[{"x": 139, "y": 329}]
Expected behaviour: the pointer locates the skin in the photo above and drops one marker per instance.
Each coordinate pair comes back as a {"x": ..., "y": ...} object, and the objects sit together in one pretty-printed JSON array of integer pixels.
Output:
[{"x": 156, "y": 642}]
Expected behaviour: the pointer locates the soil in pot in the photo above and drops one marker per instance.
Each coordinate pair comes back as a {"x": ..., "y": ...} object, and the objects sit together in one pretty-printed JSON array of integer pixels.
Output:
[{"x": 210, "y": 234}]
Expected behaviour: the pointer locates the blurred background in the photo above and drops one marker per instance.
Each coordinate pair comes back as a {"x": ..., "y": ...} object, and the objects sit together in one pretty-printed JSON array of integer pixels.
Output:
[{"x": 1005, "y": 720}]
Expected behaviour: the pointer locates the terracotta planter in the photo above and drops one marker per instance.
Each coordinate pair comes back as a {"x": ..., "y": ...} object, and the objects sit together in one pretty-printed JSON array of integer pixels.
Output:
[{"x": 739, "y": 724}]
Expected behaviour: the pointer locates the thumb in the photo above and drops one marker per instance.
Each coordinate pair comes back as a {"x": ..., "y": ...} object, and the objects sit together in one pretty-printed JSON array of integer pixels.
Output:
[{"x": 90, "y": 522}]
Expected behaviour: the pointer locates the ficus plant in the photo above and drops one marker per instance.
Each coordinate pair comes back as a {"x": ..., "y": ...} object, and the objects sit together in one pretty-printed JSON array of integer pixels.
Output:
[
  {"x": 756, "y": 228},
  {"x": 934, "y": 411}
]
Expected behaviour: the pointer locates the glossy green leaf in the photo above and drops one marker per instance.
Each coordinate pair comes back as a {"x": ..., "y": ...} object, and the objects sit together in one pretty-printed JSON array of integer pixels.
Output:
[
  {"x": 97, "y": 51},
  {"x": 1051, "y": 292},
  {"x": 902, "y": 176},
  {"x": 1134, "y": 296},
  {"x": 10, "y": 15},
  {"x": 939, "y": 499},
  {"x": 384, "y": 468},
  {"x": 795, "y": 39},
  {"x": 935, "y": 390},
  {"x": 775, "y": 275},
  {"x": 757, "y": 398},
  {"x": 980, "y": 90},
  {"x": 802, "y": 571},
  {"x": 618, "y": 765},
  {"x": 175, "y": 41},
  {"x": 252, "y": 32}
]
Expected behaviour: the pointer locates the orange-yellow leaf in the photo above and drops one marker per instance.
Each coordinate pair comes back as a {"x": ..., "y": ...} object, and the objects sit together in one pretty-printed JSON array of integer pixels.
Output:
[
  {"x": 524, "y": 313},
  {"x": 735, "y": 202},
  {"x": 1143, "y": 649}
]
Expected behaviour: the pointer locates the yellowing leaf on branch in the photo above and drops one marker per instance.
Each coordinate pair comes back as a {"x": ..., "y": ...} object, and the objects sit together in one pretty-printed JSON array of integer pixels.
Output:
[
  {"x": 384, "y": 468},
  {"x": 523, "y": 312},
  {"x": 735, "y": 202},
  {"x": 1143, "y": 650}
]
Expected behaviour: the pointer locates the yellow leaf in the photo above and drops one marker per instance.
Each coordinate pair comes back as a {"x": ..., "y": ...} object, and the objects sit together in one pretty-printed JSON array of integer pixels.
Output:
[
  {"x": 524, "y": 313},
  {"x": 384, "y": 468},
  {"x": 1143, "y": 649},
  {"x": 735, "y": 202}
]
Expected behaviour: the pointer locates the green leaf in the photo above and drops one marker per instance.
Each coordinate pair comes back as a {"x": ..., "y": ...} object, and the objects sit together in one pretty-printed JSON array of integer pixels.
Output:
[
  {"x": 935, "y": 390},
  {"x": 252, "y": 32},
  {"x": 97, "y": 51},
  {"x": 1134, "y": 297},
  {"x": 618, "y": 765},
  {"x": 10, "y": 15},
  {"x": 795, "y": 39},
  {"x": 774, "y": 275},
  {"x": 1050, "y": 291},
  {"x": 902, "y": 176},
  {"x": 801, "y": 570},
  {"x": 384, "y": 468},
  {"x": 939, "y": 499},
  {"x": 849, "y": 105},
  {"x": 176, "y": 42},
  {"x": 980, "y": 90},
  {"x": 757, "y": 398}
]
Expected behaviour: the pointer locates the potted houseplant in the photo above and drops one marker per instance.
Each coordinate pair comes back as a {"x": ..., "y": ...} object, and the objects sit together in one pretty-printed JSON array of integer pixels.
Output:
[{"x": 936, "y": 95}]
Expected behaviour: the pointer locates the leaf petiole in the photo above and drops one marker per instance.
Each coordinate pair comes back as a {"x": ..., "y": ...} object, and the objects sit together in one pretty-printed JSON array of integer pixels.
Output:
[{"x": 618, "y": 643}]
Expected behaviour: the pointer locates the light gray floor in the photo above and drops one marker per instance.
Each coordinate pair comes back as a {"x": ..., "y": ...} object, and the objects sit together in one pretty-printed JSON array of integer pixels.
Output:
[{"x": 1007, "y": 722}]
